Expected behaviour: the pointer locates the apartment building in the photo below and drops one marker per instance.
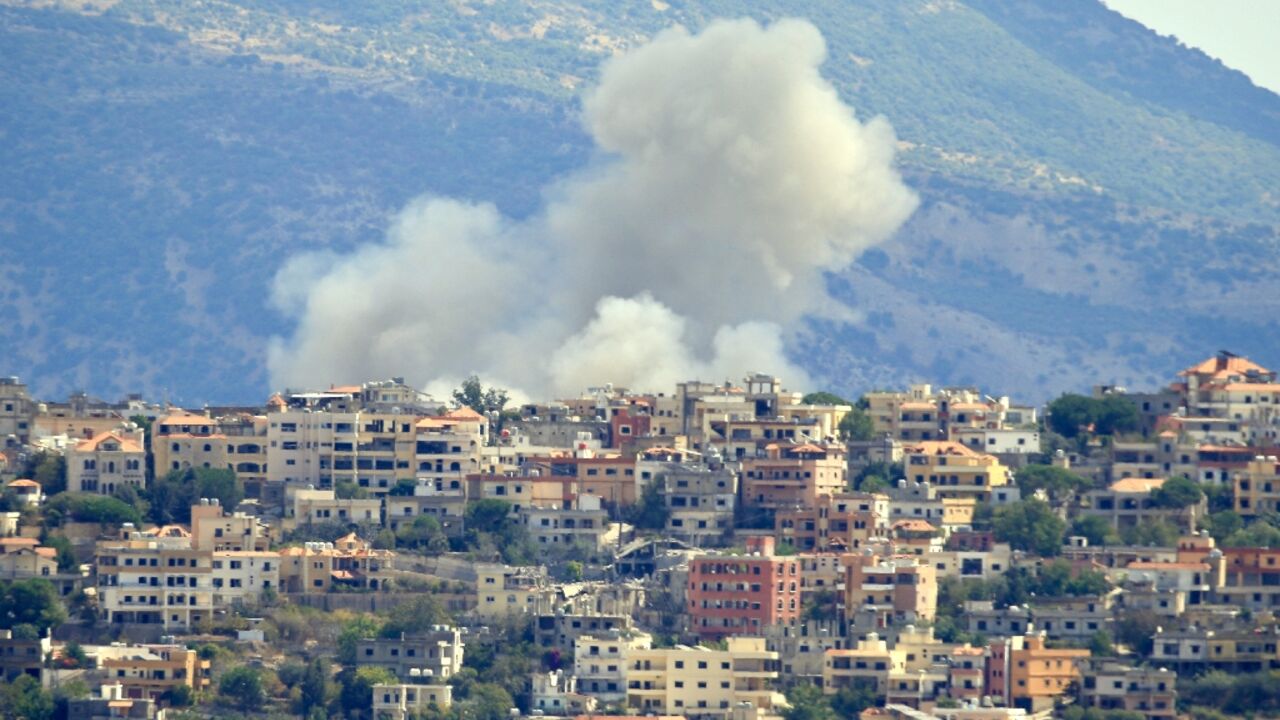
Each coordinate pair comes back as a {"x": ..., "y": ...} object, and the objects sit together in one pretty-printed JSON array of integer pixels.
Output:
[
  {"x": 584, "y": 522},
  {"x": 309, "y": 506},
  {"x": 17, "y": 413},
  {"x": 1160, "y": 457},
  {"x": 698, "y": 682},
  {"x": 1030, "y": 675},
  {"x": 329, "y": 440},
  {"x": 921, "y": 413},
  {"x": 611, "y": 478},
  {"x": 108, "y": 461},
  {"x": 1128, "y": 503},
  {"x": 1251, "y": 577},
  {"x": 556, "y": 693},
  {"x": 1257, "y": 486},
  {"x": 700, "y": 500},
  {"x": 435, "y": 655},
  {"x": 839, "y": 522},
  {"x": 868, "y": 663},
  {"x": 802, "y": 647},
  {"x": 184, "y": 440},
  {"x": 741, "y": 438},
  {"x": 957, "y": 471},
  {"x": 214, "y": 529},
  {"x": 242, "y": 576},
  {"x": 154, "y": 581},
  {"x": 896, "y": 589},
  {"x": 1198, "y": 649},
  {"x": 149, "y": 672},
  {"x": 919, "y": 500},
  {"x": 448, "y": 448},
  {"x": 348, "y": 562},
  {"x": 22, "y": 557},
  {"x": 111, "y": 704},
  {"x": 599, "y": 662},
  {"x": 502, "y": 591},
  {"x": 1151, "y": 692},
  {"x": 403, "y": 701},
  {"x": 742, "y": 594},
  {"x": 791, "y": 475},
  {"x": 22, "y": 656}
]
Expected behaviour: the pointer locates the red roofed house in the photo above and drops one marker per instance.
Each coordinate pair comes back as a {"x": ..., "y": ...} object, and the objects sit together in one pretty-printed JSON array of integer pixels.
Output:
[{"x": 106, "y": 462}]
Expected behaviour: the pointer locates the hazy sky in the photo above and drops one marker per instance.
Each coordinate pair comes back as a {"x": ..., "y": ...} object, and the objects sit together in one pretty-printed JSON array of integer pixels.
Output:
[{"x": 1243, "y": 34}]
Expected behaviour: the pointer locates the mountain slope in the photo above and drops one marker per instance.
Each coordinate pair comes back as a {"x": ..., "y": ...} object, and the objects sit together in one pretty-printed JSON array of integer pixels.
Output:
[{"x": 1097, "y": 201}]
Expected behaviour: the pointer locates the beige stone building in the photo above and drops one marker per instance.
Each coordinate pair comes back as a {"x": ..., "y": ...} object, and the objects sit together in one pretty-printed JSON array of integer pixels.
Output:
[
  {"x": 701, "y": 682},
  {"x": 107, "y": 462}
]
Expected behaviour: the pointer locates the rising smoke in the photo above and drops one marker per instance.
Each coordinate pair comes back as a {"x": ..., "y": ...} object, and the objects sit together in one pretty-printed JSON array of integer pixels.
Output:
[{"x": 730, "y": 177}]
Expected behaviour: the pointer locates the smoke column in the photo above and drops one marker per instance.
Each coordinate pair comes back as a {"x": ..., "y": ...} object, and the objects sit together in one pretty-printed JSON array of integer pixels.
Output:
[{"x": 729, "y": 176}]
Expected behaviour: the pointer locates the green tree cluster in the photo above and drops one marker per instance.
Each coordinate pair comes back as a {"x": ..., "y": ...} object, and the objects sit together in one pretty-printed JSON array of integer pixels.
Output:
[
  {"x": 172, "y": 495},
  {"x": 89, "y": 508},
  {"x": 649, "y": 512},
  {"x": 1030, "y": 525},
  {"x": 1070, "y": 415},
  {"x": 490, "y": 529}
]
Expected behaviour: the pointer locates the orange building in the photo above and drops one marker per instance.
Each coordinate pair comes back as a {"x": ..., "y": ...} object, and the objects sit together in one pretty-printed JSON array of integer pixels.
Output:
[
  {"x": 840, "y": 522},
  {"x": 792, "y": 475},
  {"x": 743, "y": 594},
  {"x": 902, "y": 588},
  {"x": 1029, "y": 675}
]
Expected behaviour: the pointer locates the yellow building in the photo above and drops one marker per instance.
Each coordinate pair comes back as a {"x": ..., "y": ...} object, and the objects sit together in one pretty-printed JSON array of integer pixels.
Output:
[
  {"x": 155, "y": 581},
  {"x": 150, "y": 671},
  {"x": 107, "y": 462},
  {"x": 955, "y": 470},
  {"x": 503, "y": 591},
  {"x": 1032, "y": 674},
  {"x": 868, "y": 664},
  {"x": 699, "y": 681},
  {"x": 1257, "y": 487}
]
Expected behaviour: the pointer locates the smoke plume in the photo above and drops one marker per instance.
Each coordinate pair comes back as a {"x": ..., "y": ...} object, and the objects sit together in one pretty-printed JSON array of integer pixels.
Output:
[{"x": 729, "y": 178}]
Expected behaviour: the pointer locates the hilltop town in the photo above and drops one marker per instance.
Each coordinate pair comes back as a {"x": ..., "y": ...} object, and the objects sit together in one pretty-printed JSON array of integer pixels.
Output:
[{"x": 716, "y": 551}]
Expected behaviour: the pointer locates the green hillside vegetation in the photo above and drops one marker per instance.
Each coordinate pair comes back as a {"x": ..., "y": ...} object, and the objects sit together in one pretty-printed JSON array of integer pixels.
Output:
[{"x": 164, "y": 158}]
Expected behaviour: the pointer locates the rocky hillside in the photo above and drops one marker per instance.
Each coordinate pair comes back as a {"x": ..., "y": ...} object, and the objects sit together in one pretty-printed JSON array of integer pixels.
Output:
[{"x": 1098, "y": 203}]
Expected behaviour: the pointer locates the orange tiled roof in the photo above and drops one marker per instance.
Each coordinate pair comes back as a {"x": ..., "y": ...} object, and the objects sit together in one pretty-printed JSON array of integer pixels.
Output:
[
  {"x": 24, "y": 483},
  {"x": 186, "y": 418},
  {"x": 1235, "y": 364},
  {"x": 939, "y": 447},
  {"x": 464, "y": 413},
  {"x": 1145, "y": 565},
  {"x": 1136, "y": 485},
  {"x": 127, "y": 444}
]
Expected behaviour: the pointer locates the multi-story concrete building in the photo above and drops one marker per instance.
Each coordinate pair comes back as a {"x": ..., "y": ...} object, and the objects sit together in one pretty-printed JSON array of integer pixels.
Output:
[
  {"x": 1257, "y": 486},
  {"x": 214, "y": 529},
  {"x": 868, "y": 663},
  {"x": 151, "y": 671},
  {"x": 957, "y": 471},
  {"x": 107, "y": 462},
  {"x": 17, "y": 413},
  {"x": 184, "y": 440},
  {"x": 503, "y": 591},
  {"x": 584, "y": 523},
  {"x": 1162, "y": 456},
  {"x": 436, "y": 654},
  {"x": 242, "y": 576},
  {"x": 921, "y": 413},
  {"x": 790, "y": 475},
  {"x": 802, "y": 647},
  {"x": 1152, "y": 692},
  {"x": 349, "y": 562},
  {"x": 155, "y": 581},
  {"x": 838, "y": 522},
  {"x": 897, "y": 590},
  {"x": 448, "y": 448},
  {"x": 311, "y": 507},
  {"x": 1029, "y": 675},
  {"x": 1128, "y": 503},
  {"x": 698, "y": 682},
  {"x": 332, "y": 440},
  {"x": 743, "y": 594},
  {"x": 700, "y": 500},
  {"x": 599, "y": 662},
  {"x": 22, "y": 656},
  {"x": 402, "y": 701}
]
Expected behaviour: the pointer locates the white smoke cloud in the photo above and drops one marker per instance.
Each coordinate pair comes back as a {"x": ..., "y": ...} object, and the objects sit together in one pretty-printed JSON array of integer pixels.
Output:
[{"x": 730, "y": 178}]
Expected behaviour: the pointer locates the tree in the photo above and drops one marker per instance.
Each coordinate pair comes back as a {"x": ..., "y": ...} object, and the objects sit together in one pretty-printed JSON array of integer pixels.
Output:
[
  {"x": 415, "y": 616},
  {"x": 34, "y": 602},
  {"x": 1222, "y": 524},
  {"x": 315, "y": 686},
  {"x": 50, "y": 470},
  {"x": 359, "y": 628},
  {"x": 1096, "y": 529},
  {"x": 807, "y": 702},
  {"x": 25, "y": 699},
  {"x": 1157, "y": 533},
  {"x": 487, "y": 701},
  {"x": 1257, "y": 534},
  {"x": 242, "y": 687},
  {"x": 1070, "y": 414},
  {"x": 885, "y": 473},
  {"x": 172, "y": 495},
  {"x": 1031, "y": 526},
  {"x": 1115, "y": 414},
  {"x": 404, "y": 487},
  {"x": 425, "y": 534},
  {"x": 1100, "y": 644},
  {"x": 650, "y": 511},
  {"x": 857, "y": 426},
  {"x": 1136, "y": 631},
  {"x": 823, "y": 398},
  {"x": 88, "y": 508},
  {"x": 357, "y": 687},
  {"x": 484, "y": 401},
  {"x": 1177, "y": 493},
  {"x": 852, "y": 700},
  {"x": 1058, "y": 483},
  {"x": 67, "y": 561}
]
